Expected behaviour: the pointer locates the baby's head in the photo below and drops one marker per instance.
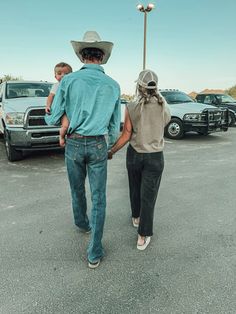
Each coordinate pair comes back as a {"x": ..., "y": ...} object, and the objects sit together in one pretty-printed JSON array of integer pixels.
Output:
[{"x": 61, "y": 69}]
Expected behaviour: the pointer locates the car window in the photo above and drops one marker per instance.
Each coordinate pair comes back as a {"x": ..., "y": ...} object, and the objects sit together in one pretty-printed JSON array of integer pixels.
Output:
[
  {"x": 18, "y": 90},
  {"x": 200, "y": 98},
  {"x": 208, "y": 99},
  {"x": 225, "y": 98},
  {"x": 176, "y": 97}
]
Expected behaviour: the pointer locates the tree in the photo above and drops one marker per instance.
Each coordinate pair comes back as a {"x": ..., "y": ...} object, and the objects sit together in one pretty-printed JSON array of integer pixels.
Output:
[
  {"x": 8, "y": 77},
  {"x": 232, "y": 91},
  {"x": 127, "y": 97}
]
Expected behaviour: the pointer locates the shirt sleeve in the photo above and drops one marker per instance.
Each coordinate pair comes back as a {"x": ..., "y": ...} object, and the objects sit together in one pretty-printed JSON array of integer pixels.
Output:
[
  {"x": 114, "y": 125},
  {"x": 57, "y": 108},
  {"x": 54, "y": 88}
]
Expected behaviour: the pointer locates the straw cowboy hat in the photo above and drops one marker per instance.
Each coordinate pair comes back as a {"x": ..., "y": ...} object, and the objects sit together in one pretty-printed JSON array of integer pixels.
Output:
[{"x": 91, "y": 39}]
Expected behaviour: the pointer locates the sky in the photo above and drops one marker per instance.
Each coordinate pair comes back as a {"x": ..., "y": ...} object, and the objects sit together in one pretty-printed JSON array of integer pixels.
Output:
[{"x": 191, "y": 44}]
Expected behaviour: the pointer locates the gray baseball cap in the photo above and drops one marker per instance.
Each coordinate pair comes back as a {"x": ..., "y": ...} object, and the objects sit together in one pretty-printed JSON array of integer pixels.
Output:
[{"x": 147, "y": 79}]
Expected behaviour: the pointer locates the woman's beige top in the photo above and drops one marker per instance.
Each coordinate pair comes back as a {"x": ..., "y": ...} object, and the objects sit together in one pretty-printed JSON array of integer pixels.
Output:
[{"x": 148, "y": 121}]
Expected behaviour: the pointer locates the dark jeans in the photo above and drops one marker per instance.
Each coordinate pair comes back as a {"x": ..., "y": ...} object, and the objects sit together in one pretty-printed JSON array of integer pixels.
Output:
[
  {"x": 144, "y": 172},
  {"x": 88, "y": 155}
]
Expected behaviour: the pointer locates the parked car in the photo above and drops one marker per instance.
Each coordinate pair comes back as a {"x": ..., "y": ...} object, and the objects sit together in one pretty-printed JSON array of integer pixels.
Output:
[
  {"x": 187, "y": 115},
  {"x": 221, "y": 101},
  {"x": 22, "y": 110}
]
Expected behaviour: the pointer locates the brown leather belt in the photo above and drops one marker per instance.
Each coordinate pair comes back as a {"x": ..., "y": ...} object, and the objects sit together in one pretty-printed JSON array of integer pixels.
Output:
[{"x": 76, "y": 135}]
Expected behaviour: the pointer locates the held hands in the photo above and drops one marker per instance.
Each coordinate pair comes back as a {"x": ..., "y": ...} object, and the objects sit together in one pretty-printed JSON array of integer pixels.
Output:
[{"x": 109, "y": 155}]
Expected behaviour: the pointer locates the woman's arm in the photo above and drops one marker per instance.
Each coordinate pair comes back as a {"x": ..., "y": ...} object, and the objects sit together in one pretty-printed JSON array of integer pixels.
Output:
[{"x": 125, "y": 135}]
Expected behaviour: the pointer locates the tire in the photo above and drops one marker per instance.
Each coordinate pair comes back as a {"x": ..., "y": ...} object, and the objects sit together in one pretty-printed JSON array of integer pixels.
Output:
[
  {"x": 174, "y": 129},
  {"x": 12, "y": 153},
  {"x": 231, "y": 119}
]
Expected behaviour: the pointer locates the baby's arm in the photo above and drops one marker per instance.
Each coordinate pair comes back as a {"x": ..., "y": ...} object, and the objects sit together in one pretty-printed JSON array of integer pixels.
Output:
[{"x": 49, "y": 102}]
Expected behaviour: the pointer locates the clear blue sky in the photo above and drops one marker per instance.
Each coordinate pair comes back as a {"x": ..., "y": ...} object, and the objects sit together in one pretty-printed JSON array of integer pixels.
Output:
[{"x": 191, "y": 44}]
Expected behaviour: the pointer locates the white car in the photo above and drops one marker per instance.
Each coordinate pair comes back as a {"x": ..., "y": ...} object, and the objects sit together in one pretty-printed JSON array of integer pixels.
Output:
[
  {"x": 188, "y": 115},
  {"x": 22, "y": 110}
]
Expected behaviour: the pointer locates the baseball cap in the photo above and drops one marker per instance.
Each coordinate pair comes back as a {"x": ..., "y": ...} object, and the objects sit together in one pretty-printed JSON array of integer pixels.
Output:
[{"x": 147, "y": 79}]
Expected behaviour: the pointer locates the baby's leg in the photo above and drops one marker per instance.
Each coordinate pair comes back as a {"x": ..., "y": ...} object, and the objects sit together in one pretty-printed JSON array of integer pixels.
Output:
[{"x": 63, "y": 129}]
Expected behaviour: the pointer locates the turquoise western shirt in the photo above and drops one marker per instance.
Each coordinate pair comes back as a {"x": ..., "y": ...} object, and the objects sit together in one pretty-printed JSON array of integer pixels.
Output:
[{"x": 91, "y": 101}]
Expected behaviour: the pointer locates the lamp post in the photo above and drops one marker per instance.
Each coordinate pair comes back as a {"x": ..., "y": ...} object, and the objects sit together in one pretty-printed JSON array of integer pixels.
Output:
[{"x": 141, "y": 8}]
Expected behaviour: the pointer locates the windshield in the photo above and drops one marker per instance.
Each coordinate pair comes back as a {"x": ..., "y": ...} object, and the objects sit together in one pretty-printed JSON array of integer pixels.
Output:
[
  {"x": 18, "y": 90},
  {"x": 176, "y": 97},
  {"x": 225, "y": 98}
]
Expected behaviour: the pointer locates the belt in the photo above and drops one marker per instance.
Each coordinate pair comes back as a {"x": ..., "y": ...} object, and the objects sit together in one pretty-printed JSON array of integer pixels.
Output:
[{"x": 76, "y": 135}]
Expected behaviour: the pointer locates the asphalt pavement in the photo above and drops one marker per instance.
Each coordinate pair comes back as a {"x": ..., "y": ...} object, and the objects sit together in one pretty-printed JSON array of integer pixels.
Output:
[{"x": 189, "y": 266}]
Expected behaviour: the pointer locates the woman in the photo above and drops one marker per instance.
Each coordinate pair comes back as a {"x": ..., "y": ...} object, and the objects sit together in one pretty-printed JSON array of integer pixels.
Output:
[{"x": 145, "y": 120}]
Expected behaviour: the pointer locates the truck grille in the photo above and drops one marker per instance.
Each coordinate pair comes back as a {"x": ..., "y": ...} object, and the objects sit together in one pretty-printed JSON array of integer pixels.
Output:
[
  {"x": 34, "y": 118},
  {"x": 212, "y": 116}
]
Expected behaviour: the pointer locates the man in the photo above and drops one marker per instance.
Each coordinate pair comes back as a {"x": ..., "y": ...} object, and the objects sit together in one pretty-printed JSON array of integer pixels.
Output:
[{"x": 91, "y": 101}]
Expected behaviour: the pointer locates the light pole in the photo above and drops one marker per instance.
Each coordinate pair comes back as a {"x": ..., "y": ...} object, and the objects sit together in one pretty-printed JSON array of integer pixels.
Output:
[{"x": 141, "y": 8}]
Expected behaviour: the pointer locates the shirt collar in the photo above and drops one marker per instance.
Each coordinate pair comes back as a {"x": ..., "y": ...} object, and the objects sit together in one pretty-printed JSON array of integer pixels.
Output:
[{"x": 93, "y": 66}]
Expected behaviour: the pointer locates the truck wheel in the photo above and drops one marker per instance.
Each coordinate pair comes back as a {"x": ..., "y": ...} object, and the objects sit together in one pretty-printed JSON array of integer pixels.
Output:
[
  {"x": 174, "y": 129},
  {"x": 231, "y": 119},
  {"x": 12, "y": 153}
]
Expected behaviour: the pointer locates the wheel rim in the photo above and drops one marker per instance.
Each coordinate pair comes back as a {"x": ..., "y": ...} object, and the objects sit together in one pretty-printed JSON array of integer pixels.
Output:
[{"x": 174, "y": 129}]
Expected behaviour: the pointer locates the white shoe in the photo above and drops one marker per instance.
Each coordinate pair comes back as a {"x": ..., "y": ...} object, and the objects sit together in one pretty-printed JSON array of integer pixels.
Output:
[
  {"x": 144, "y": 245},
  {"x": 93, "y": 265},
  {"x": 135, "y": 222}
]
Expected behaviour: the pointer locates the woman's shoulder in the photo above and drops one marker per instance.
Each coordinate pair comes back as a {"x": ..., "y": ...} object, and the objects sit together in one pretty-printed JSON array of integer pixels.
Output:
[{"x": 131, "y": 104}]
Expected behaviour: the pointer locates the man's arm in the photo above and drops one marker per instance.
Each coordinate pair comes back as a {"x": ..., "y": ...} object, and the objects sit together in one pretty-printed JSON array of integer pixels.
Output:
[
  {"x": 125, "y": 136},
  {"x": 114, "y": 125},
  {"x": 57, "y": 108}
]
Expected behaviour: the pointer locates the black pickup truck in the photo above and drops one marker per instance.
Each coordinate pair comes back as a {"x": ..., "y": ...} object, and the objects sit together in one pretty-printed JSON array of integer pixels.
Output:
[{"x": 222, "y": 101}]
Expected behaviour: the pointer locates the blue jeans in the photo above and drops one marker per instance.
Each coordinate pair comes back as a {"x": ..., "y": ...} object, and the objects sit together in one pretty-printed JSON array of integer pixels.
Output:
[{"x": 88, "y": 155}]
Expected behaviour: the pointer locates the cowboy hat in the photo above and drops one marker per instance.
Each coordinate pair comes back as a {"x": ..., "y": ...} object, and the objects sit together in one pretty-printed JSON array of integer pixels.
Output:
[{"x": 91, "y": 39}]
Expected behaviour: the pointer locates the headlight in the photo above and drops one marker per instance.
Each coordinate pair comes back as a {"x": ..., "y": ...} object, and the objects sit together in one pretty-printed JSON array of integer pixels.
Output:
[
  {"x": 15, "y": 119},
  {"x": 192, "y": 117}
]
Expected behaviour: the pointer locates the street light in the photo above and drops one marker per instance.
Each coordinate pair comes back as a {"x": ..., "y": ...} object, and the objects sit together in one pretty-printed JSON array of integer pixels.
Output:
[{"x": 141, "y": 8}]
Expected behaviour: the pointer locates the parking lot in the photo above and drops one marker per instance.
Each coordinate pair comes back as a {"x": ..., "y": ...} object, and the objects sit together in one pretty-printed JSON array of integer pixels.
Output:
[{"x": 189, "y": 267}]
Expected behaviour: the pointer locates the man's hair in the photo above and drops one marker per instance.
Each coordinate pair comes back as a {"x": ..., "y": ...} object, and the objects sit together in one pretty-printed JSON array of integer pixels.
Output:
[
  {"x": 62, "y": 65},
  {"x": 92, "y": 54}
]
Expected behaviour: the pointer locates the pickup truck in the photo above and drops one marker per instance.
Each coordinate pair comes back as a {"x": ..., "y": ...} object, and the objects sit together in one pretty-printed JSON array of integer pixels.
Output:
[
  {"x": 22, "y": 110},
  {"x": 188, "y": 115},
  {"x": 221, "y": 101}
]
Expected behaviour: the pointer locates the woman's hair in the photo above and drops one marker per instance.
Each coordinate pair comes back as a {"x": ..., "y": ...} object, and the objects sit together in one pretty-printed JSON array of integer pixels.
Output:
[
  {"x": 92, "y": 54},
  {"x": 146, "y": 94}
]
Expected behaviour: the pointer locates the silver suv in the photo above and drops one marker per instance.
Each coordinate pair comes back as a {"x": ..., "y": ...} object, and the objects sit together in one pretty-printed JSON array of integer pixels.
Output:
[
  {"x": 22, "y": 110},
  {"x": 188, "y": 115}
]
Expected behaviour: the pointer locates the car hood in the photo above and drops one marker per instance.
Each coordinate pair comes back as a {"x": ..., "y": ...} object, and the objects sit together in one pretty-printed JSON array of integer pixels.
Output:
[
  {"x": 188, "y": 107},
  {"x": 22, "y": 104}
]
